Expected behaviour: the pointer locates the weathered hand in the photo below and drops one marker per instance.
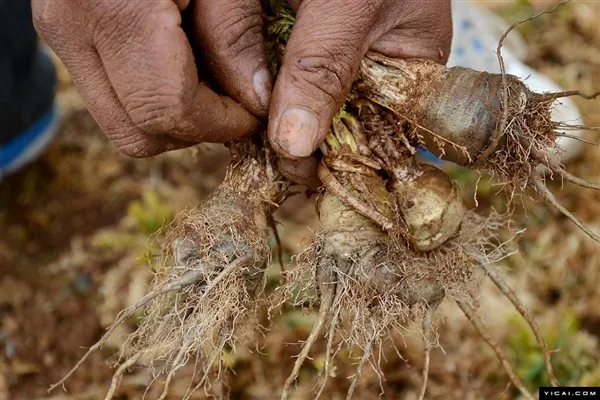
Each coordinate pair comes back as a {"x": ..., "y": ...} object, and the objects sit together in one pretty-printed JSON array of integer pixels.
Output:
[
  {"x": 135, "y": 68},
  {"x": 323, "y": 56}
]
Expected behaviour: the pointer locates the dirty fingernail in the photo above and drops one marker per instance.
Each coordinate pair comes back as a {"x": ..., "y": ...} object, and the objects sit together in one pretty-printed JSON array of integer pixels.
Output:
[
  {"x": 263, "y": 85},
  {"x": 297, "y": 133}
]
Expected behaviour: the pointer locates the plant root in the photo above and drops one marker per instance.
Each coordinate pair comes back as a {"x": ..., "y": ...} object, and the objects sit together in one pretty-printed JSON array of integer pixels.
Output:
[
  {"x": 381, "y": 287},
  {"x": 118, "y": 375},
  {"x": 579, "y": 139},
  {"x": 483, "y": 332},
  {"x": 324, "y": 311},
  {"x": 225, "y": 236},
  {"x": 213, "y": 359},
  {"x": 330, "y": 337},
  {"x": 500, "y": 130},
  {"x": 368, "y": 349},
  {"x": 428, "y": 344},
  {"x": 210, "y": 274},
  {"x": 574, "y": 179},
  {"x": 171, "y": 373},
  {"x": 511, "y": 295},
  {"x": 190, "y": 278},
  {"x": 555, "y": 167},
  {"x": 541, "y": 189},
  {"x": 568, "y": 93}
]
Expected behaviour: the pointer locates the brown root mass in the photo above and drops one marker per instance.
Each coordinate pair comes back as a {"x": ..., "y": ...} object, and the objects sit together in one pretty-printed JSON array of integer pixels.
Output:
[
  {"x": 381, "y": 282},
  {"x": 192, "y": 321},
  {"x": 210, "y": 275},
  {"x": 225, "y": 239},
  {"x": 369, "y": 284}
]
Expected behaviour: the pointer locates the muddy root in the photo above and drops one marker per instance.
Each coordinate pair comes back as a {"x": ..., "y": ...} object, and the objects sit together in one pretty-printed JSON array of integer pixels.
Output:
[{"x": 380, "y": 289}]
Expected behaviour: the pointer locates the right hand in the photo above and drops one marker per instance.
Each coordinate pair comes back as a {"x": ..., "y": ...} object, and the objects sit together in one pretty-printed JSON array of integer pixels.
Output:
[
  {"x": 134, "y": 67},
  {"x": 324, "y": 54}
]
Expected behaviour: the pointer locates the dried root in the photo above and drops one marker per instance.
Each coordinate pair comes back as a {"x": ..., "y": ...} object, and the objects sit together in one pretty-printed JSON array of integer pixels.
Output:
[
  {"x": 328, "y": 292},
  {"x": 428, "y": 342},
  {"x": 511, "y": 295},
  {"x": 380, "y": 285},
  {"x": 231, "y": 253},
  {"x": 478, "y": 325},
  {"x": 210, "y": 275},
  {"x": 367, "y": 350},
  {"x": 118, "y": 375}
]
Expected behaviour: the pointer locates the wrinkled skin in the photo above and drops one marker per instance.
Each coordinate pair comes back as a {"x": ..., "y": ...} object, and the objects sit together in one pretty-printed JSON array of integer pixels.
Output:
[{"x": 134, "y": 66}]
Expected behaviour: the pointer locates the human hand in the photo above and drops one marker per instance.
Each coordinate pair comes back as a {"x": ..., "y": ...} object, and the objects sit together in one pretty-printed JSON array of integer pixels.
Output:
[
  {"x": 135, "y": 69},
  {"x": 322, "y": 58}
]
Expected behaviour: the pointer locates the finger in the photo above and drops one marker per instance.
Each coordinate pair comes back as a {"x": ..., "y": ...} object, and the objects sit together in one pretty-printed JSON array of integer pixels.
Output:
[
  {"x": 420, "y": 33},
  {"x": 230, "y": 32},
  {"x": 322, "y": 57},
  {"x": 99, "y": 97},
  {"x": 295, "y": 4},
  {"x": 150, "y": 65},
  {"x": 302, "y": 171}
]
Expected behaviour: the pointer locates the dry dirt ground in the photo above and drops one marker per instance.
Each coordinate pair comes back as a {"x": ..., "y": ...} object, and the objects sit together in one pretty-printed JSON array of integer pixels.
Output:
[{"x": 75, "y": 249}]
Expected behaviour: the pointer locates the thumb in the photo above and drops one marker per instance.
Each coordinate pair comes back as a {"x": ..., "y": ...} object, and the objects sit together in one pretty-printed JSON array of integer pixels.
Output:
[{"x": 321, "y": 60}]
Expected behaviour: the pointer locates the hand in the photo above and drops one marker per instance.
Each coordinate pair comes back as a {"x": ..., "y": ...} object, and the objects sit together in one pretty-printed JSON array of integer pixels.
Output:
[
  {"x": 323, "y": 56},
  {"x": 134, "y": 67}
]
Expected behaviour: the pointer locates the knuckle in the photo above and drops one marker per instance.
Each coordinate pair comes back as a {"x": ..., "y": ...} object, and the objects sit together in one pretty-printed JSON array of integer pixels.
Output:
[
  {"x": 129, "y": 140},
  {"x": 156, "y": 111},
  {"x": 328, "y": 75},
  {"x": 138, "y": 148},
  {"x": 239, "y": 33},
  {"x": 124, "y": 22},
  {"x": 68, "y": 20},
  {"x": 115, "y": 20}
]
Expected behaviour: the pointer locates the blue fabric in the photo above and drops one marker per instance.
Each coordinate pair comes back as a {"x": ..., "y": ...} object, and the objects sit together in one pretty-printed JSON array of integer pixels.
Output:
[
  {"x": 427, "y": 155},
  {"x": 27, "y": 73},
  {"x": 19, "y": 145}
]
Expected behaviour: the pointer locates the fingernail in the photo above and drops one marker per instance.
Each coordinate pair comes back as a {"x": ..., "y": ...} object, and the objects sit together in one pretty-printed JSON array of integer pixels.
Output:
[
  {"x": 263, "y": 85},
  {"x": 297, "y": 133}
]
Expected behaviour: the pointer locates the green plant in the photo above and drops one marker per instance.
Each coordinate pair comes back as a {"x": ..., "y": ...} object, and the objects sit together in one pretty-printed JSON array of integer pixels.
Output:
[{"x": 150, "y": 213}]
